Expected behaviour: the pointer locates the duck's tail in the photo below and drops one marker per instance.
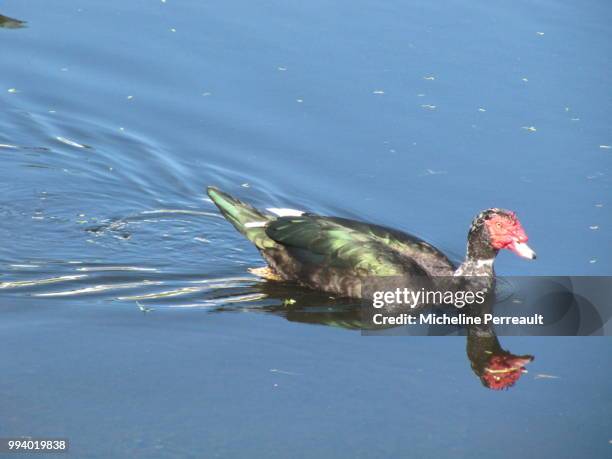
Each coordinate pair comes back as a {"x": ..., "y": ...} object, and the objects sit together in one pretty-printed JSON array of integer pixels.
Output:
[{"x": 245, "y": 218}]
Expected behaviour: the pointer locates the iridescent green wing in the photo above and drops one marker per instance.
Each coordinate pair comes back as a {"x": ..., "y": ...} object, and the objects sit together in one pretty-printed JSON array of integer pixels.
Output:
[
  {"x": 322, "y": 241},
  {"x": 408, "y": 245}
]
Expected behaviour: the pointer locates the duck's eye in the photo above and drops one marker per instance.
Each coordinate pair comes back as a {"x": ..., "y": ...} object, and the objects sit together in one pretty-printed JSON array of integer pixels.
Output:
[{"x": 498, "y": 224}]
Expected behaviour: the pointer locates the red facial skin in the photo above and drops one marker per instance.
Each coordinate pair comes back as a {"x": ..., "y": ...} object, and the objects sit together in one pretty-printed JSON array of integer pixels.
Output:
[
  {"x": 504, "y": 230},
  {"x": 503, "y": 371}
]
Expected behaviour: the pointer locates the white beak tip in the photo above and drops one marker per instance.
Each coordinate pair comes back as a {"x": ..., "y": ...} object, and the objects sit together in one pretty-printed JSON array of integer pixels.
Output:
[{"x": 523, "y": 250}]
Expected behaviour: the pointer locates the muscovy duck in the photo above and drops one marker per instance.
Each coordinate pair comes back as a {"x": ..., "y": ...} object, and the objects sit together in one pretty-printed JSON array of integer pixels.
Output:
[{"x": 337, "y": 255}]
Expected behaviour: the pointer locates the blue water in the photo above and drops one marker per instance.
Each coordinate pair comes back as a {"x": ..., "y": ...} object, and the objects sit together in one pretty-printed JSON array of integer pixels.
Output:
[{"x": 115, "y": 117}]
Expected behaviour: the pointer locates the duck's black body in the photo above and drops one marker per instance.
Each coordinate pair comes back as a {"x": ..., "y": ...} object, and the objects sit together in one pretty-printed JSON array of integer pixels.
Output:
[
  {"x": 348, "y": 257},
  {"x": 337, "y": 255}
]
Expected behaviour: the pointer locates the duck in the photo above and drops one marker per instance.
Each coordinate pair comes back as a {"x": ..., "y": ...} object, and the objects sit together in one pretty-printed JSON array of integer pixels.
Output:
[{"x": 350, "y": 258}]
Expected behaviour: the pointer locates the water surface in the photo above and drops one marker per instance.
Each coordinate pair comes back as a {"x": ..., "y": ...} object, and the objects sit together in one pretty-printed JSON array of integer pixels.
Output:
[{"x": 115, "y": 117}]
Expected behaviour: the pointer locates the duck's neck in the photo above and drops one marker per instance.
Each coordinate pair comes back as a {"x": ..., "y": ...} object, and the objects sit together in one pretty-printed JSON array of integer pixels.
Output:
[
  {"x": 480, "y": 256},
  {"x": 472, "y": 267}
]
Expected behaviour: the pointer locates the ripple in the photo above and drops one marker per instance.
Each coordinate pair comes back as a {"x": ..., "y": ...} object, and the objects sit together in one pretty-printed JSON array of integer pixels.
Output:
[
  {"x": 50, "y": 280},
  {"x": 183, "y": 211},
  {"x": 97, "y": 288},
  {"x": 215, "y": 303},
  {"x": 72, "y": 143},
  {"x": 164, "y": 294},
  {"x": 116, "y": 268}
]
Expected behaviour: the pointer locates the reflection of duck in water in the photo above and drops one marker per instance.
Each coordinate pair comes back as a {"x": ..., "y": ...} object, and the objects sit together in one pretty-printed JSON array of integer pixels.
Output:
[
  {"x": 10, "y": 23},
  {"x": 496, "y": 367},
  {"x": 348, "y": 258}
]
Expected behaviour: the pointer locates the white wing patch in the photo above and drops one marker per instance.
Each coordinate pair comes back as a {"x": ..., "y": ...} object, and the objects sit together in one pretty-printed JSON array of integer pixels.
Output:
[
  {"x": 255, "y": 224},
  {"x": 279, "y": 212},
  {"x": 282, "y": 212}
]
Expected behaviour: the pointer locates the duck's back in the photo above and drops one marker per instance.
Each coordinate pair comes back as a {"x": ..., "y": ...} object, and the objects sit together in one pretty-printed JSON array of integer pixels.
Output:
[
  {"x": 340, "y": 255},
  {"x": 433, "y": 261}
]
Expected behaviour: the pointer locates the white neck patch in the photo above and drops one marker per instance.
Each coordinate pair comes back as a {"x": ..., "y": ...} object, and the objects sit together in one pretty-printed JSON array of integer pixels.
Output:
[
  {"x": 478, "y": 267},
  {"x": 485, "y": 263}
]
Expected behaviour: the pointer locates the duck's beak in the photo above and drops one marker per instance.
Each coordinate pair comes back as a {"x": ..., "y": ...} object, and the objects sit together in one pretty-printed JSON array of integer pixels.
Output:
[
  {"x": 522, "y": 249},
  {"x": 518, "y": 362}
]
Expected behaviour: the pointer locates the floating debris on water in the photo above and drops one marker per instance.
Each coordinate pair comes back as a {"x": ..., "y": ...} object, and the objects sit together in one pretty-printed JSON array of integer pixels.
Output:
[
  {"x": 605, "y": 147},
  {"x": 283, "y": 372},
  {"x": 433, "y": 172},
  {"x": 428, "y": 106},
  {"x": 172, "y": 29},
  {"x": 12, "y": 90},
  {"x": 529, "y": 128},
  {"x": 201, "y": 239},
  {"x": 594, "y": 227},
  {"x": 6, "y": 145},
  {"x": 245, "y": 185},
  {"x": 596, "y": 175},
  {"x": 281, "y": 69},
  {"x": 130, "y": 97},
  {"x": 599, "y": 205},
  {"x": 593, "y": 260},
  {"x": 144, "y": 309},
  {"x": 525, "y": 80},
  {"x": 482, "y": 109},
  {"x": 545, "y": 376},
  {"x": 540, "y": 33},
  {"x": 378, "y": 91},
  {"x": 299, "y": 101},
  {"x": 429, "y": 77}
]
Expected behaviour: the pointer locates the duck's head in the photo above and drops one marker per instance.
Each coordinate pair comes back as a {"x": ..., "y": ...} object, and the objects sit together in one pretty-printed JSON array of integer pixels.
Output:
[
  {"x": 504, "y": 370},
  {"x": 496, "y": 229},
  {"x": 496, "y": 367}
]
